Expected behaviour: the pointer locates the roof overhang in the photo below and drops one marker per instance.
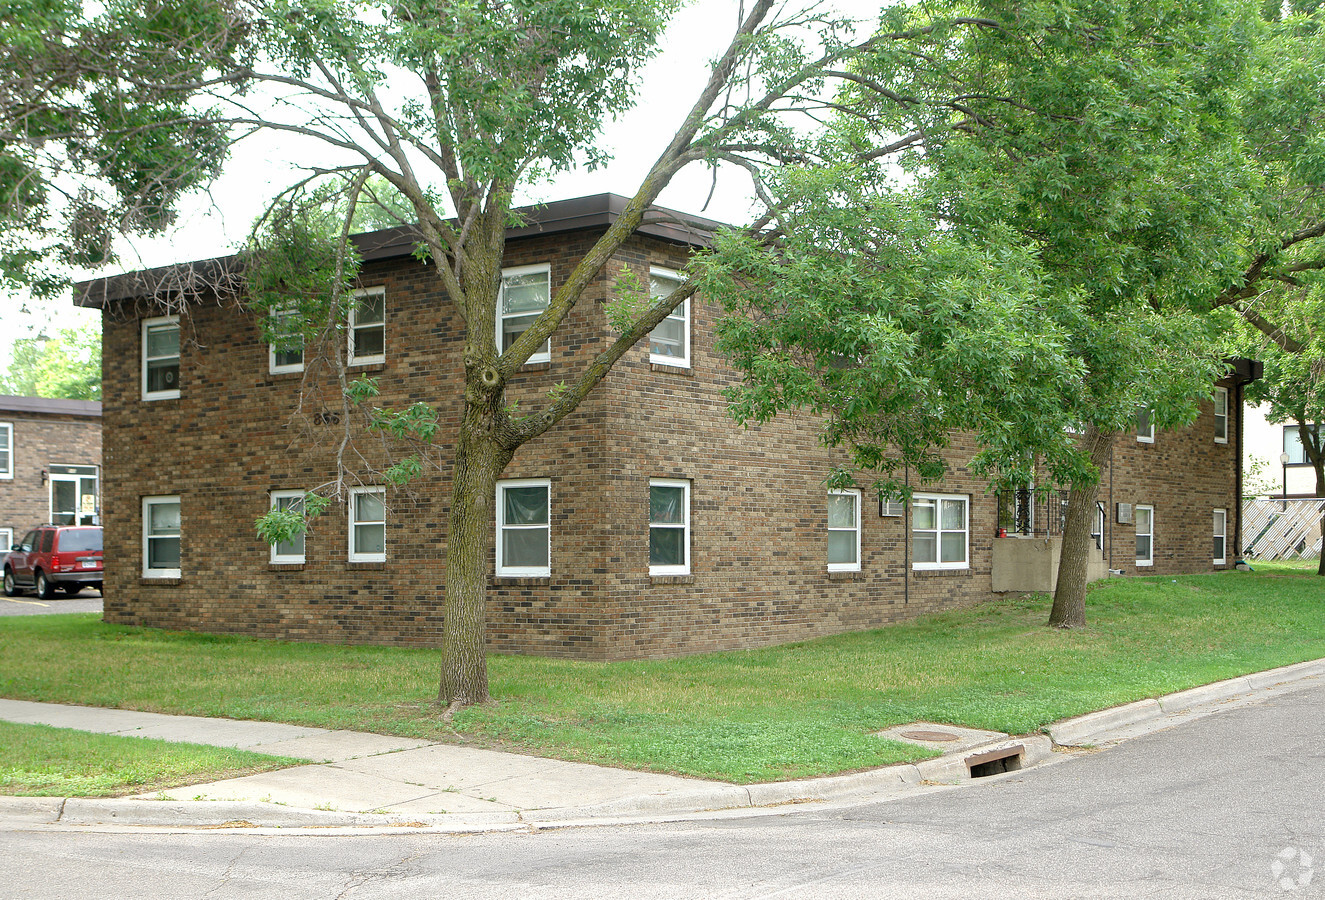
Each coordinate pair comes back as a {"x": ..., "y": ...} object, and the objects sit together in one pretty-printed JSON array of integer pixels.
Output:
[
  {"x": 47, "y": 407},
  {"x": 222, "y": 273}
]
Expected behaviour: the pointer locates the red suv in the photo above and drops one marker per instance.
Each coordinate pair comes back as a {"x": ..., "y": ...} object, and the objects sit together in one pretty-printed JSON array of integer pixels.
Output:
[{"x": 68, "y": 557}]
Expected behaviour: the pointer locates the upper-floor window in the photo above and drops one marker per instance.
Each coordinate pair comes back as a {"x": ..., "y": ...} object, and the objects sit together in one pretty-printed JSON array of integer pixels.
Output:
[
  {"x": 367, "y": 524},
  {"x": 1145, "y": 426},
  {"x": 844, "y": 531},
  {"x": 286, "y": 351},
  {"x": 1221, "y": 415},
  {"x": 161, "y": 531},
  {"x": 368, "y": 326},
  {"x": 291, "y": 551},
  {"x": 524, "y": 296},
  {"x": 6, "y": 453},
  {"x": 1145, "y": 535},
  {"x": 161, "y": 358},
  {"x": 940, "y": 531},
  {"x": 669, "y": 342},
  {"x": 1297, "y": 454},
  {"x": 669, "y": 527},
  {"x": 524, "y": 527}
]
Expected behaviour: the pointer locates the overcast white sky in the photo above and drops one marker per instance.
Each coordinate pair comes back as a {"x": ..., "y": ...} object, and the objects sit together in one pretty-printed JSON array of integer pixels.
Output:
[{"x": 259, "y": 167}]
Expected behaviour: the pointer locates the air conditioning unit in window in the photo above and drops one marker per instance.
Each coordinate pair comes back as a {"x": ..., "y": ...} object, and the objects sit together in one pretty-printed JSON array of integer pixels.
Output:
[{"x": 892, "y": 508}]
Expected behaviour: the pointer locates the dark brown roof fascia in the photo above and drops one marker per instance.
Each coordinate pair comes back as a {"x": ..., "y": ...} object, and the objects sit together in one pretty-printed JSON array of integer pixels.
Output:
[
  {"x": 48, "y": 406},
  {"x": 1243, "y": 370},
  {"x": 596, "y": 211}
]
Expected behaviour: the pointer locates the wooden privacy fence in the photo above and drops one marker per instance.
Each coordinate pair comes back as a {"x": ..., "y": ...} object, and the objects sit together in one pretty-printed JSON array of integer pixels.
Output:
[{"x": 1279, "y": 529}]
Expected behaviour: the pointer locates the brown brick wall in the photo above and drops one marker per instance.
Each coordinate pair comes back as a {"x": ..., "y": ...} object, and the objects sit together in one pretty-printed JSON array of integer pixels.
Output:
[
  {"x": 40, "y": 441},
  {"x": 758, "y": 500}
]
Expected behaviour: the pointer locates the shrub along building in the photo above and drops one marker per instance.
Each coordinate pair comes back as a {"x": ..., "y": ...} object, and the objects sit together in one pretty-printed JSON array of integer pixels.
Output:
[
  {"x": 645, "y": 524},
  {"x": 50, "y": 464}
]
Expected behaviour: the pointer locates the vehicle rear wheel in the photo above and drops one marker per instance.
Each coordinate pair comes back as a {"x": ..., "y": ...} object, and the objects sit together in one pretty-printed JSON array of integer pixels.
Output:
[
  {"x": 44, "y": 588},
  {"x": 10, "y": 589}
]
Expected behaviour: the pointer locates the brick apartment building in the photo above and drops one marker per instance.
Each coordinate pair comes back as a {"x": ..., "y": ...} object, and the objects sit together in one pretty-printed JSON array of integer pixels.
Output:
[
  {"x": 50, "y": 464},
  {"x": 645, "y": 524}
]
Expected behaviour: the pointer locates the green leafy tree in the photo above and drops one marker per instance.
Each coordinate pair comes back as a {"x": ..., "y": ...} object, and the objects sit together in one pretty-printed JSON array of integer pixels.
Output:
[
  {"x": 1070, "y": 145},
  {"x": 99, "y": 129},
  {"x": 67, "y": 366},
  {"x": 455, "y": 106},
  {"x": 1280, "y": 296}
]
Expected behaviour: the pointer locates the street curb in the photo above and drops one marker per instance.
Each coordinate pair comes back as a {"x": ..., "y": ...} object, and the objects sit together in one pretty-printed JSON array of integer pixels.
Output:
[
  {"x": 876, "y": 784},
  {"x": 1071, "y": 732}
]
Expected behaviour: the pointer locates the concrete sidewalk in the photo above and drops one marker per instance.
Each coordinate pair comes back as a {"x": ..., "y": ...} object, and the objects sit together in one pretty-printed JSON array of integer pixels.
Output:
[{"x": 359, "y": 780}]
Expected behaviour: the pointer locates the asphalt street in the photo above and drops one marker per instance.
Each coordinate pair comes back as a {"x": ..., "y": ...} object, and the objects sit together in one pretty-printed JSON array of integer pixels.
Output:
[{"x": 1224, "y": 806}]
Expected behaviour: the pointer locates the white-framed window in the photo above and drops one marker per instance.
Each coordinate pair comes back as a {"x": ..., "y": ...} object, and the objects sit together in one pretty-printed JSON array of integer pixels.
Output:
[
  {"x": 1145, "y": 426},
  {"x": 285, "y": 353},
  {"x": 669, "y": 342},
  {"x": 844, "y": 531},
  {"x": 1297, "y": 454},
  {"x": 940, "y": 531},
  {"x": 368, "y": 326},
  {"x": 6, "y": 539},
  {"x": 1221, "y": 415},
  {"x": 1221, "y": 536},
  {"x": 161, "y": 358},
  {"x": 669, "y": 527},
  {"x": 1097, "y": 535},
  {"x": 6, "y": 453},
  {"x": 291, "y": 551},
  {"x": 367, "y": 524},
  {"x": 525, "y": 294},
  {"x": 161, "y": 529},
  {"x": 524, "y": 529},
  {"x": 1145, "y": 535}
]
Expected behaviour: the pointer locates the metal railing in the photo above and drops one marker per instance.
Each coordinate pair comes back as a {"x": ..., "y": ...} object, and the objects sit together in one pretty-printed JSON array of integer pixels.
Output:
[{"x": 1032, "y": 512}]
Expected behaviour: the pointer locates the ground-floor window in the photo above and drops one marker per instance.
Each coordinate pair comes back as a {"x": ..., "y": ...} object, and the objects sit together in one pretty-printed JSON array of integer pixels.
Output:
[
  {"x": 367, "y": 524},
  {"x": 1097, "y": 535},
  {"x": 1221, "y": 533},
  {"x": 844, "y": 531},
  {"x": 940, "y": 531},
  {"x": 1145, "y": 535},
  {"x": 291, "y": 551},
  {"x": 6, "y": 539},
  {"x": 524, "y": 530},
  {"x": 669, "y": 527},
  {"x": 161, "y": 531}
]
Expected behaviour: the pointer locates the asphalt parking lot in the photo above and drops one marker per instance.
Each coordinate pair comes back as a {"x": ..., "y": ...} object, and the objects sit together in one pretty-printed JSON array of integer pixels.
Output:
[{"x": 86, "y": 600}]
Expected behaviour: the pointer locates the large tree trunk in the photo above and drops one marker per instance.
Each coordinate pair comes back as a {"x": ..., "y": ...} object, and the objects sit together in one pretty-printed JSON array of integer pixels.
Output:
[
  {"x": 478, "y": 464},
  {"x": 1320, "y": 492},
  {"x": 1069, "y": 610}
]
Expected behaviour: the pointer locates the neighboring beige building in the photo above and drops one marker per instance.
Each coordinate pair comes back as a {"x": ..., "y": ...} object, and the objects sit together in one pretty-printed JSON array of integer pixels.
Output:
[
  {"x": 50, "y": 464},
  {"x": 645, "y": 524},
  {"x": 1263, "y": 444}
]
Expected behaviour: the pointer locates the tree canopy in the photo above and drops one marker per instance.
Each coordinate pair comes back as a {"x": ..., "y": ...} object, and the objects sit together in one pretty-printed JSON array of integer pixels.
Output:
[
  {"x": 100, "y": 131},
  {"x": 66, "y": 366}
]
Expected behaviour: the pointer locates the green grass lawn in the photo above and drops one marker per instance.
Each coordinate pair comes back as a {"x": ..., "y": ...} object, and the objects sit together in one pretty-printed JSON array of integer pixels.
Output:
[
  {"x": 791, "y": 711},
  {"x": 40, "y": 761}
]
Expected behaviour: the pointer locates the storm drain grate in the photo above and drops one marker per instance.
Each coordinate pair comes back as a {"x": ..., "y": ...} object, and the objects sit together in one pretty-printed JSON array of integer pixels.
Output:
[{"x": 995, "y": 762}]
